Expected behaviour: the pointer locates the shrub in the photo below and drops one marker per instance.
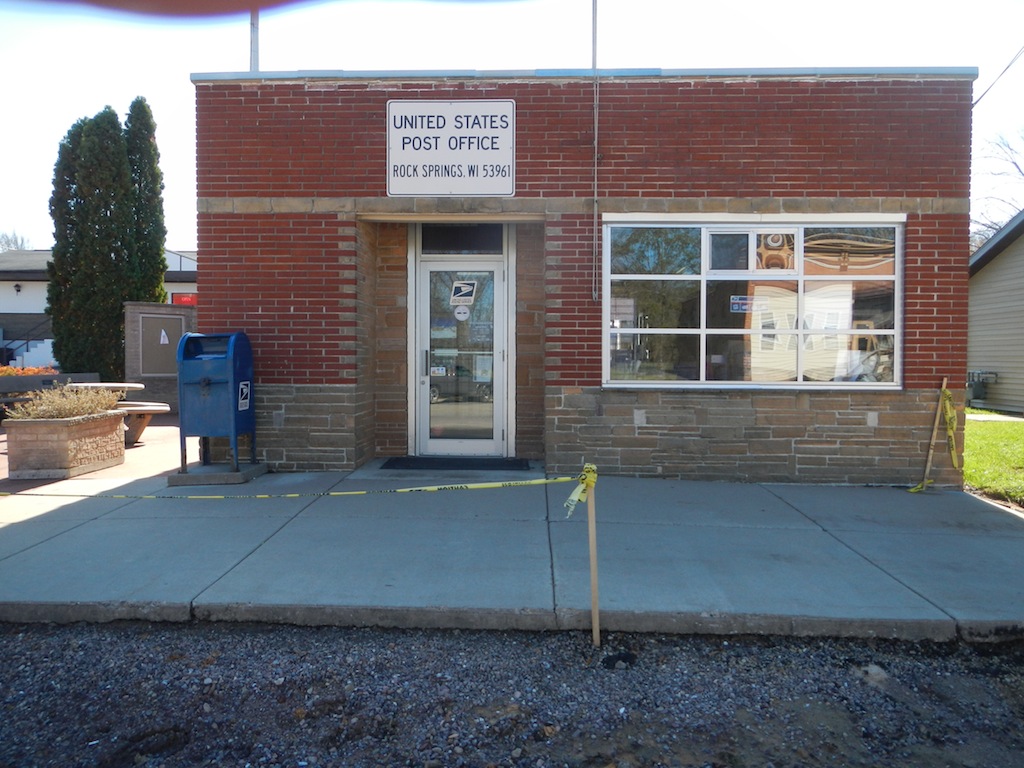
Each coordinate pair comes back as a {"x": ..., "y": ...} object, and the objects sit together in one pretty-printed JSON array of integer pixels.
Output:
[{"x": 65, "y": 402}]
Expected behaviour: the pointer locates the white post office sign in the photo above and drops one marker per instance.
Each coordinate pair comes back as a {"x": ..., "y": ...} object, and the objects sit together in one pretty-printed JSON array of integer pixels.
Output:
[{"x": 451, "y": 148}]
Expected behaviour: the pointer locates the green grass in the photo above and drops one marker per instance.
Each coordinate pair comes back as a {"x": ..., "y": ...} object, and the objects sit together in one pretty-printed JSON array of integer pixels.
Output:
[{"x": 994, "y": 458}]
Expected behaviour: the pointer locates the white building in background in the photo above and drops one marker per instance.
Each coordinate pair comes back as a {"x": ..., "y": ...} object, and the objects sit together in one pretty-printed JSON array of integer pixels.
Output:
[{"x": 26, "y": 338}]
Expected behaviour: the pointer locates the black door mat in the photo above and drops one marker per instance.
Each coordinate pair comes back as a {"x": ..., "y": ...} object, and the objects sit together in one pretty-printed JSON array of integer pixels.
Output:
[{"x": 448, "y": 463}]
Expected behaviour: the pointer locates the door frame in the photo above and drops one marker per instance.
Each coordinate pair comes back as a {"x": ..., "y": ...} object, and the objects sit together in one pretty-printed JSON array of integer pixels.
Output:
[{"x": 508, "y": 259}]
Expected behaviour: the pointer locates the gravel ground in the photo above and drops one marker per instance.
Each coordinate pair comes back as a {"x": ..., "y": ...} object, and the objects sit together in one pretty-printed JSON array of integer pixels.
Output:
[{"x": 138, "y": 694}]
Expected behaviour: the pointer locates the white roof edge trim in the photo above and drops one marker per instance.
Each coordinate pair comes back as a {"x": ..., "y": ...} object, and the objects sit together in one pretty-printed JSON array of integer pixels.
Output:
[
  {"x": 755, "y": 218},
  {"x": 829, "y": 73}
]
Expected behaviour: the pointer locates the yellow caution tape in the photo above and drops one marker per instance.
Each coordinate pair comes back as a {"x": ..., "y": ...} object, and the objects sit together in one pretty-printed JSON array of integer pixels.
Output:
[
  {"x": 949, "y": 410},
  {"x": 587, "y": 480},
  {"x": 417, "y": 489}
]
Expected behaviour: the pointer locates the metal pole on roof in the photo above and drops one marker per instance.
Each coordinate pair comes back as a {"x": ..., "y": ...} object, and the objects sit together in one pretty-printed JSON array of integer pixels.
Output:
[{"x": 254, "y": 40}]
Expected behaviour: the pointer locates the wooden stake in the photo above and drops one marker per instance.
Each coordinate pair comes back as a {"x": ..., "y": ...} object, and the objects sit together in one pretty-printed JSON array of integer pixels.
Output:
[
  {"x": 931, "y": 444},
  {"x": 595, "y": 618}
]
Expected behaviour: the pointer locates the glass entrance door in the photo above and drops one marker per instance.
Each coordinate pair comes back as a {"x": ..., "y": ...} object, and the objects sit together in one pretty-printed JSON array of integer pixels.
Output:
[{"x": 460, "y": 392}]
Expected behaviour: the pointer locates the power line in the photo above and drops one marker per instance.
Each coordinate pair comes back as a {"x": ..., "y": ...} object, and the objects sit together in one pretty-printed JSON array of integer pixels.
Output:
[{"x": 1012, "y": 62}]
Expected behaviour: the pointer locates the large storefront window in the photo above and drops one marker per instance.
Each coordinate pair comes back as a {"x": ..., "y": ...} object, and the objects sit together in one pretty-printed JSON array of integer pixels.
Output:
[{"x": 813, "y": 305}]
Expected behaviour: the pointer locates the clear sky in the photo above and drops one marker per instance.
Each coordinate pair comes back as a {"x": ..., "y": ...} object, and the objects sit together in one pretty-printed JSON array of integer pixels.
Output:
[{"x": 61, "y": 62}]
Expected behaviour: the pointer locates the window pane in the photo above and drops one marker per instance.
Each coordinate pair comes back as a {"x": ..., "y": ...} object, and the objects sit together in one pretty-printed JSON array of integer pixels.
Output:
[
  {"x": 462, "y": 238},
  {"x": 654, "y": 357},
  {"x": 853, "y": 304},
  {"x": 655, "y": 250},
  {"x": 752, "y": 304},
  {"x": 728, "y": 358},
  {"x": 874, "y": 303},
  {"x": 828, "y": 306},
  {"x": 729, "y": 251},
  {"x": 774, "y": 305},
  {"x": 655, "y": 304},
  {"x": 848, "y": 357},
  {"x": 773, "y": 356},
  {"x": 776, "y": 251},
  {"x": 753, "y": 357},
  {"x": 721, "y": 301},
  {"x": 850, "y": 251}
]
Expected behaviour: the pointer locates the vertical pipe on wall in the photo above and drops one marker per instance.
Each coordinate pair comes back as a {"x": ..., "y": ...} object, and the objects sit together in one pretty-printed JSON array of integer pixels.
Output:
[
  {"x": 254, "y": 40},
  {"x": 595, "y": 286}
]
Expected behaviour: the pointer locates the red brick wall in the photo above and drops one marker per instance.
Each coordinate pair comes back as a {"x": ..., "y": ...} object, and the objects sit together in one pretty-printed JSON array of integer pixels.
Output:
[
  {"x": 662, "y": 138},
  {"x": 289, "y": 282},
  {"x": 935, "y": 301},
  {"x": 573, "y": 328}
]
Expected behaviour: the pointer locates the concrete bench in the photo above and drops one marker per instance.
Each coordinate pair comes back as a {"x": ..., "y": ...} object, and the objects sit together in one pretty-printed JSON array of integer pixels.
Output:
[
  {"x": 18, "y": 385},
  {"x": 137, "y": 417}
]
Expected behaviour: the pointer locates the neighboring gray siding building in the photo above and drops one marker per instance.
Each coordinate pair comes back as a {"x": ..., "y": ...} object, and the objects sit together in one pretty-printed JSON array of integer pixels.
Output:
[{"x": 995, "y": 337}]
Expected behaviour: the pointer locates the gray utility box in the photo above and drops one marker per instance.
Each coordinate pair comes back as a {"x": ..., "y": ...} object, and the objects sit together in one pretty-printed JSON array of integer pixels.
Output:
[
  {"x": 977, "y": 384},
  {"x": 215, "y": 391}
]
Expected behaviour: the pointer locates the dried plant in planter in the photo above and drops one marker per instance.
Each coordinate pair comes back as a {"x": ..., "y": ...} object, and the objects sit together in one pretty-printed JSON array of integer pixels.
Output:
[{"x": 65, "y": 402}]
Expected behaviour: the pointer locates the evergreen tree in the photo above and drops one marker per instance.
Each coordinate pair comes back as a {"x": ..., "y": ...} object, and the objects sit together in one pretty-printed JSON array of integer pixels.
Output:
[
  {"x": 94, "y": 231},
  {"x": 107, "y": 210},
  {"x": 63, "y": 269},
  {"x": 148, "y": 265}
]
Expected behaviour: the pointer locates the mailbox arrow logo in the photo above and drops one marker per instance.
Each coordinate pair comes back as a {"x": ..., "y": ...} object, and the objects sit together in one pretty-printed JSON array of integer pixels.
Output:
[{"x": 244, "y": 390}]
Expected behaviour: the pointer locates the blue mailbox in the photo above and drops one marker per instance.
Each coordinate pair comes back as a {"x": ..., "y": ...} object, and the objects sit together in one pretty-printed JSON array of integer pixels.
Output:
[{"x": 215, "y": 391}]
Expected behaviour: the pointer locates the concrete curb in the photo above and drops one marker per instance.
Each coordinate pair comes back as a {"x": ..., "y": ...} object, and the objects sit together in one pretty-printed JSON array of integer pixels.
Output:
[
  {"x": 440, "y": 617},
  {"x": 93, "y": 612}
]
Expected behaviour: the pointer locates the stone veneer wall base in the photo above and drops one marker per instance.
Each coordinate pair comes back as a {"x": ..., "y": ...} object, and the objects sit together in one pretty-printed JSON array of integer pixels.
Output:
[
  {"x": 301, "y": 428},
  {"x": 827, "y": 437}
]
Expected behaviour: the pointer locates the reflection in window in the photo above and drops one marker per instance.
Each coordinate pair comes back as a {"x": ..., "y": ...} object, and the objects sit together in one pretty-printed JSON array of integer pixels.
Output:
[
  {"x": 462, "y": 238},
  {"x": 846, "y": 357},
  {"x": 848, "y": 302},
  {"x": 655, "y": 357},
  {"x": 776, "y": 250},
  {"x": 801, "y": 304},
  {"x": 728, "y": 302},
  {"x": 729, "y": 251},
  {"x": 655, "y": 304},
  {"x": 856, "y": 251},
  {"x": 656, "y": 250}
]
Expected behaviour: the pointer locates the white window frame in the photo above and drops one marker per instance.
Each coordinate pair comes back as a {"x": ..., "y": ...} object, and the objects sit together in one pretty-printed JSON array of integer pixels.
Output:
[{"x": 751, "y": 224}]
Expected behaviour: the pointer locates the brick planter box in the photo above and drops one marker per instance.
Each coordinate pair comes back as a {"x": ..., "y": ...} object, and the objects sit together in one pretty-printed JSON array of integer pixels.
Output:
[{"x": 39, "y": 449}]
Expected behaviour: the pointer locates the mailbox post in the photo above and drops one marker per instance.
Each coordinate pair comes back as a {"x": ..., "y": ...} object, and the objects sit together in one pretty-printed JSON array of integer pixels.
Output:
[{"x": 215, "y": 391}]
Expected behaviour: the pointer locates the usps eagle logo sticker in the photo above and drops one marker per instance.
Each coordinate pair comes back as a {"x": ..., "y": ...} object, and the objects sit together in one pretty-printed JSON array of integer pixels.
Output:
[
  {"x": 463, "y": 292},
  {"x": 244, "y": 395}
]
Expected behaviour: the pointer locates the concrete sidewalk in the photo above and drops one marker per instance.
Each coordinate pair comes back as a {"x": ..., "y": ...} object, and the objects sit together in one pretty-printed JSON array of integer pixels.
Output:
[{"x": 674, "y": 556}]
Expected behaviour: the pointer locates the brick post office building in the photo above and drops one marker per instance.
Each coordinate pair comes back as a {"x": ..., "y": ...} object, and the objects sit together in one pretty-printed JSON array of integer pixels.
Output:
[{"x": 736, "y": 275}]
